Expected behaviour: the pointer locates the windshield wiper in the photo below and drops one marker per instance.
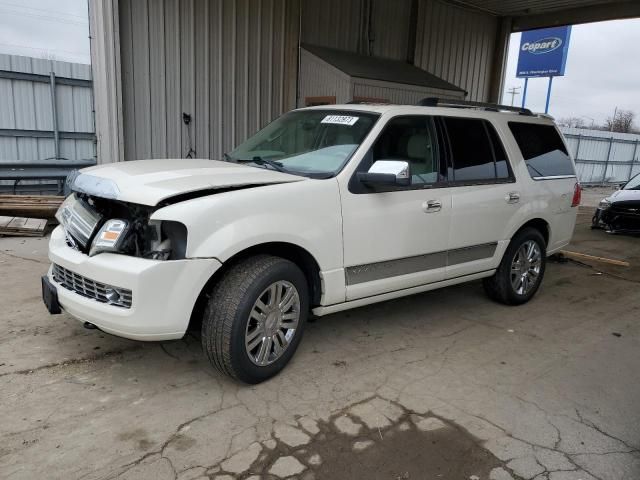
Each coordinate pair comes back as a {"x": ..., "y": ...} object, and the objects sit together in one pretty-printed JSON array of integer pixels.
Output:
[{"x": 264, "y": 161}]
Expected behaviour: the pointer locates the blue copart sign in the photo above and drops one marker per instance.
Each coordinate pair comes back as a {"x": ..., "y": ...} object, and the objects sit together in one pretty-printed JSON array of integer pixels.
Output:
[{"x": 543, "y": 53}]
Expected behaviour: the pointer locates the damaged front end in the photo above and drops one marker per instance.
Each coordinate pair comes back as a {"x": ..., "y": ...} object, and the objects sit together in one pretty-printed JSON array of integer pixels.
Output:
[
  {"x": 94, "y": 224},
  {"x": 617, "y": 217}
]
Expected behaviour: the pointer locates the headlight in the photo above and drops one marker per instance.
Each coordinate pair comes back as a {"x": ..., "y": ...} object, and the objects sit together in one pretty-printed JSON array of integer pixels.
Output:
[
  {"x": 110, "y": 237},
  {"x": 78, "y": 219},
  {"x": 604, "y": 204}
]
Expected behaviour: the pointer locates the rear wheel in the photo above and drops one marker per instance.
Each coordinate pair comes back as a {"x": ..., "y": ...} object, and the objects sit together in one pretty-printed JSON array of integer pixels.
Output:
[
  {"x": 255, "y": 317},
  {"x": 521, "y": 270}
]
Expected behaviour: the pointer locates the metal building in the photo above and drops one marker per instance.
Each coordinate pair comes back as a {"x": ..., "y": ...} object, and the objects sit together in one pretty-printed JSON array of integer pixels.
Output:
[{"x": 233, "y": 65}]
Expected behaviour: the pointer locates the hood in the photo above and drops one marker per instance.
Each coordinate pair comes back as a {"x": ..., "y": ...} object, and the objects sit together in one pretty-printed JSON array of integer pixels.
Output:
[
  {"x": 148, "y": 182},
  {"x": 624, "y": 196}
]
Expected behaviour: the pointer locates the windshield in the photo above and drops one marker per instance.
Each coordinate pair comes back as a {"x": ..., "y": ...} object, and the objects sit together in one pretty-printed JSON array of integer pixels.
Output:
[
  {"x": 633, "y": 184},
  {"x": 307, "y": 142}
]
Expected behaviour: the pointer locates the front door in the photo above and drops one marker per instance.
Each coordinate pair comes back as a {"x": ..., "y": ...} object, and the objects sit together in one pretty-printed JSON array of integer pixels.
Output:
[{"x": 396, "y": 237}]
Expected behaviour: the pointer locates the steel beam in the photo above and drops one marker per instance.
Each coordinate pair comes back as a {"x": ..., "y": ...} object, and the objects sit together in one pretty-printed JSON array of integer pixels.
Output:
[
  {"x": 35, "y": 77},
  {"x": 16, "y": 132},
  {"x": 573, "y": 16},
  {"x": 499, "y": 60}
]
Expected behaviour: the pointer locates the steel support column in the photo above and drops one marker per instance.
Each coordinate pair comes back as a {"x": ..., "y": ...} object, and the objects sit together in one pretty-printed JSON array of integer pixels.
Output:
[
  {"x": 499, "y": 61},
  {"x": 54, "y": 114}
]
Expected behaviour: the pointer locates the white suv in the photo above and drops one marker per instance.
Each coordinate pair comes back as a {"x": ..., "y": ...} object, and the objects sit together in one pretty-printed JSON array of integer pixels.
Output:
[{"x": 327, "y": 208}]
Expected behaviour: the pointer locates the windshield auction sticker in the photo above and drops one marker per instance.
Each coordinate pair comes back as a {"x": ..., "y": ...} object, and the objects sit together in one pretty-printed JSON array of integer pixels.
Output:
[{"x": 340, "y": 120}]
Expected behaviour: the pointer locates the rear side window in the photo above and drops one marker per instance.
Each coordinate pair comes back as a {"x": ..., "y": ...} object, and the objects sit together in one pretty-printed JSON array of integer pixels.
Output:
[
  {"x": 476, "y": 151},
  {"x": 542, "y": 149}
]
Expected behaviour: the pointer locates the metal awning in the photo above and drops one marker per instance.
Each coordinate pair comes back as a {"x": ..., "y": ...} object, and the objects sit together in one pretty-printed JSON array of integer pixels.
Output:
[{"x": 531, "y": 14}]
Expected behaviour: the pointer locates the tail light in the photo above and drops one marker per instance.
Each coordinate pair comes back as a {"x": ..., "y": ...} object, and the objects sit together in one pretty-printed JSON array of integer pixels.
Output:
[{"x": 577, "y": 195}]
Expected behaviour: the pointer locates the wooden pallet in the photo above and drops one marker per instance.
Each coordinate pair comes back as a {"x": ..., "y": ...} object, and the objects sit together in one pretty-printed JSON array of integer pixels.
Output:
[
  {"x": 35, "y": 206},
  {"x": 22, "y": 227}
]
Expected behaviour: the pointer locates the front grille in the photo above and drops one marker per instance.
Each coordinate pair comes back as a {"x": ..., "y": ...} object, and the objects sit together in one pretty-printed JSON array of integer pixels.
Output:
[
  {"x": 80, "y": 221},
  {"x": 626, "y": 209},
  {"x": 101, "y": 292}
]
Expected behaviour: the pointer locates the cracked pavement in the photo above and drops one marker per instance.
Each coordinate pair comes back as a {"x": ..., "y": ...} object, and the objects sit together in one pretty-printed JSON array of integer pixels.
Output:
[{"x": 545, "y": 391}]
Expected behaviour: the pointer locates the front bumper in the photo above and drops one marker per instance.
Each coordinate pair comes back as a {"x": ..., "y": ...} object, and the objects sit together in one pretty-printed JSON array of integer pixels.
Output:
[
  {"x": 616, "y": 220},
  {"x": 163, "y": 292}
]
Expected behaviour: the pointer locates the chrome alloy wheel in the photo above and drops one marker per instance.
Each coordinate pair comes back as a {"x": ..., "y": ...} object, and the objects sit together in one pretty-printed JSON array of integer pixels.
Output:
[
  {"x": 525, "y": 267},
  {"x": 272, "y": 323}
]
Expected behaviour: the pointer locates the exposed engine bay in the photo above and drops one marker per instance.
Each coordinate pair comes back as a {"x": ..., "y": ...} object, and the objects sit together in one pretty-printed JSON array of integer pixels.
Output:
[{"x": 94, "y": 225}]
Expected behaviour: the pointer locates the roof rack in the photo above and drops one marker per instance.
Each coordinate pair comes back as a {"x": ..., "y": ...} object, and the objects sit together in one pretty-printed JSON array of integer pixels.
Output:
[
  {"x": 494, "y": 107},
  {"x": 367, "y": 102}
]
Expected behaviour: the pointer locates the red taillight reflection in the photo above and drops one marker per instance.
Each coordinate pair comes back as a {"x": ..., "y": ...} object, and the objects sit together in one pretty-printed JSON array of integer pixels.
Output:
[{"x": 577, "y": 195}]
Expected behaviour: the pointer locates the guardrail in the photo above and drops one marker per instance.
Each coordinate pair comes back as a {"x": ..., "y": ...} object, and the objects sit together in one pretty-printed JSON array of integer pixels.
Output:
[{"x": 53, "y": 172}]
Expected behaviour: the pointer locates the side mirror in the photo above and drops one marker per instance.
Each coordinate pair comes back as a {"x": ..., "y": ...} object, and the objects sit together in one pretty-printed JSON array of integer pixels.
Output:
[{"x": 387, "y": 172}]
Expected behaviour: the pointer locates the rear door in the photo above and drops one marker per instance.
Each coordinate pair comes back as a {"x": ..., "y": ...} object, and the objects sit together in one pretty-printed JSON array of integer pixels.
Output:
[{"x": 484, "y": 196}]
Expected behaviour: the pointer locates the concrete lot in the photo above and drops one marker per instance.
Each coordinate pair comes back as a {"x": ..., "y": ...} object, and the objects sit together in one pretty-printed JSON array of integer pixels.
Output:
[{"x": 443, "y": 385}]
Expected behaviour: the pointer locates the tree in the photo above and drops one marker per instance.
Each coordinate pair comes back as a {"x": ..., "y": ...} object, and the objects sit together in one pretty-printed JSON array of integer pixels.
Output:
[
  {"x": 575, "y": 122},
  {"x": 622, "y": 121}
]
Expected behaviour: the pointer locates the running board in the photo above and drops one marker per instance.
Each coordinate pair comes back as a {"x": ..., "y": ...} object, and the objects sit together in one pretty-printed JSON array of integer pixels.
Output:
[{"x": 361, "y": 302}]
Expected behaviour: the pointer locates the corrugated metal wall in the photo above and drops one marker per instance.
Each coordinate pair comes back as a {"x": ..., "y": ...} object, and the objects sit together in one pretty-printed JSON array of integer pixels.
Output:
[
  {"x": 456, "y": 44},
  {"x": 400, "y": 94},
  {"x": 391, "y": 24},
  {"x": 603, "y": 157},
  {"x": 343, "y": 24},
  {"x": 26, "y": 105},
  {"x": 230, "y": 64},
  {"x": 334, "y": 23}
]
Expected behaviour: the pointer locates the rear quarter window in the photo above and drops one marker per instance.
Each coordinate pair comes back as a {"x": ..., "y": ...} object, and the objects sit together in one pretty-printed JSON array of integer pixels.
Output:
[{"x": 542, "y": 149}]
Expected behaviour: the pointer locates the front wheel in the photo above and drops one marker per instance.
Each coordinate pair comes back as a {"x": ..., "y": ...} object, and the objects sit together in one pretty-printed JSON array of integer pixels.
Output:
[
  {"x": 255, "y": 317},
  {"x": 521, "y": 270}
]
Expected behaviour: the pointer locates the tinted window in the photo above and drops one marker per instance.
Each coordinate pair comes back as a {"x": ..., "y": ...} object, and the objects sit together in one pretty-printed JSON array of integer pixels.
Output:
[
  {"x": 543, "y": 149},
  {"x": 471, "y": 150},
  {"x": 410, "y": 139}
]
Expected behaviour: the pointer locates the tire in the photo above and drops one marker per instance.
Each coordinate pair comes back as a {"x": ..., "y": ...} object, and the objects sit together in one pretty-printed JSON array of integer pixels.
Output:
[
  {"x": 500, "y": 287},
  {"x": 233, "y": 315}
]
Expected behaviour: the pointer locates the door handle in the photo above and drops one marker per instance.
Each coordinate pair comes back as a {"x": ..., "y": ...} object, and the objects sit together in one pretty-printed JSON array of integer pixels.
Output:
[
  {"x": 512, "y": 197},
  {"x": 431, "y": 206}
]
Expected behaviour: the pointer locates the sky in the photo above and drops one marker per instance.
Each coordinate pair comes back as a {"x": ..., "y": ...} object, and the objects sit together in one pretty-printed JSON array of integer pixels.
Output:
[
  {"x": 46, "y": 29},
  {"x": 602, "y": 73}
]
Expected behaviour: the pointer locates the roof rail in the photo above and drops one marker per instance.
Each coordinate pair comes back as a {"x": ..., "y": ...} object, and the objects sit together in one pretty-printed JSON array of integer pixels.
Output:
[{"x": 445, "y": 102}]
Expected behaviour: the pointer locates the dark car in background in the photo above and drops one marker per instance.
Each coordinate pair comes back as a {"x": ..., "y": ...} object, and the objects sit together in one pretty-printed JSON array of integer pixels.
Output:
[{"x": 620, "y": 212}]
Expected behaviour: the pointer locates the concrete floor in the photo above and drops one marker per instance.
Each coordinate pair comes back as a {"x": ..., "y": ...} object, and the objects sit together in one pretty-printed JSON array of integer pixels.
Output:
[{"x": 443, "y": 385}]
